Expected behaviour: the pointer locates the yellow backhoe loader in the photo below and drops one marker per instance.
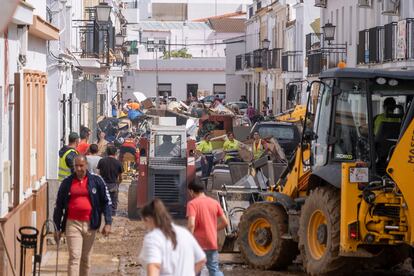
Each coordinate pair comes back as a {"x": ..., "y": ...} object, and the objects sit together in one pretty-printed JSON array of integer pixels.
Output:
[{"x": 348, "y": 197}]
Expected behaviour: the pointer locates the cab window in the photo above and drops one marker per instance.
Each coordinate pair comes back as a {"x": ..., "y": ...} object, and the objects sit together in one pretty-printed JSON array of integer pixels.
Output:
[{"x": 351, "y": 126}]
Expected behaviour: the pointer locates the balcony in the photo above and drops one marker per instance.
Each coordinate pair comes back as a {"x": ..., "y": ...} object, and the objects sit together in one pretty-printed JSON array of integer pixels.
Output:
[
  {"x": 292, "y": 61},
  {"x": 93, "y": 41},
  {"x": 321, "y": 56},
  {"x": 383, "y": 44},
  {"x": 261, "y": 58}
]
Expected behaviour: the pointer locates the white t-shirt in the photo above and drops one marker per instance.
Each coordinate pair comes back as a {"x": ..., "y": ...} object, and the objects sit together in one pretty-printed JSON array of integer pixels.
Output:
[
  {"x": 158, "y": 249},
  {"x": 93, "y": 162}
]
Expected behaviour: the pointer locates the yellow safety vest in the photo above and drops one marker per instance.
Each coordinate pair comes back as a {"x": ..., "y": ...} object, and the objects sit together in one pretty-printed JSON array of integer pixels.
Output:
[
  {"x": 64, "y": 170},
  {"x": 258, "y": 150},
  {"x": 231, "y": 149},
  {"x": 381, "y": 118},
  {"x": 205, "y": 147}
]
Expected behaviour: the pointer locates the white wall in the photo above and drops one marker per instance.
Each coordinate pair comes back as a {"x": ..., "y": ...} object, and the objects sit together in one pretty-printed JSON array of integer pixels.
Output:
[
  {"x": 198, "y": 8},
  {"x": 234, "y": 83},
  {"x": 178, "y": 72}
]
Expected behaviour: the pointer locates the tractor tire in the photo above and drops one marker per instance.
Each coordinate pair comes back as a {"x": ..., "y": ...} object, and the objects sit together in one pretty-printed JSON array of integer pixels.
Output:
[
  {"x": 133, "y": 212},
  {"x": 260, "y": 237},
  {"x": 319, "y": 233}
]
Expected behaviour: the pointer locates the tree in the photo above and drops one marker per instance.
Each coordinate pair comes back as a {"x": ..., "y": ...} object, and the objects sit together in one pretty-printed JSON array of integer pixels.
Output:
[{"x": 182, "y": 53}]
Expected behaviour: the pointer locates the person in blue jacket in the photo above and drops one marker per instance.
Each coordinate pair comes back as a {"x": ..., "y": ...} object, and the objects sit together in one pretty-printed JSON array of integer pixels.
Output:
[{"x": 82, "y": 199}]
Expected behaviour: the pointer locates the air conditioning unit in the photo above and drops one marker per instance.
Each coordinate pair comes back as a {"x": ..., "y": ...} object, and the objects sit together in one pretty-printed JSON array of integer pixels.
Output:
[
  {"x": 321, "y": 3},
  {"x": 390, "y": 7},
  {"x": 364, "y": 3}
]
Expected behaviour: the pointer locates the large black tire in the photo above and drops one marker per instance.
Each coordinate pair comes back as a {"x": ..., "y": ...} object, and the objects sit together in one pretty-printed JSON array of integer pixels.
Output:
[
  {"x": 262, "y": 247},
  {"x": 321, "y": 258},
  {"x": 133, "y": 212}
]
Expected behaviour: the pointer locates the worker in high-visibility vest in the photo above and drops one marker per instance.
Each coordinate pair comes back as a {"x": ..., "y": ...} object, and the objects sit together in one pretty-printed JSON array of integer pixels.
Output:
[
  {"x": 67, "y": 155},
  {"x": 259, "y": 146},
  {"x": 205, "y": 147},
  {"x": 231, "y": 149}
]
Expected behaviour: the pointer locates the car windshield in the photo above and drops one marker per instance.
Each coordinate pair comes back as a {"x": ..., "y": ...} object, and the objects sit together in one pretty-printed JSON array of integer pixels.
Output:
[
  {"x": 279, "y": 132},
  {"x": 241, "y": 105}
]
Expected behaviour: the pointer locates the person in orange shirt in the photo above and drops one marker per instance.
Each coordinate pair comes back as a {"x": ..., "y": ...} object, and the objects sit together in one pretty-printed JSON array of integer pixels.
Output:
[
  {"x": 134, "y": 105},
  {"x": 205, "y": 218},
  {"x": 83, "y": 146}
]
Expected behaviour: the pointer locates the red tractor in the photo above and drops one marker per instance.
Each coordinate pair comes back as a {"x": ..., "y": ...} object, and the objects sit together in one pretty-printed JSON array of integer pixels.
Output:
[{"x": 166, "y": 166}]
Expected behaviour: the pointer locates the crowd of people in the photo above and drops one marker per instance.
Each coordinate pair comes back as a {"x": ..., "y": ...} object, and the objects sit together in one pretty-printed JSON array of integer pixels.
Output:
[{"x": 90, "y": 175}]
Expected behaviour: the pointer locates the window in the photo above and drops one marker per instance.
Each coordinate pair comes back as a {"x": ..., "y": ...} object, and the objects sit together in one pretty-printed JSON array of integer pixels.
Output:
[
  {"x": 192, "y": 90},
  {"x": 161, "y": 45},
  {"x": 219, "y": 89},
  {"x": 278, "y": 132},
  {"x": 351, "y": 122},
  {"x": 150, "y": 45},
  {"x": 164, "y": 89},
  {"x": 167, "y": 145},
  {"x": 322, "y": 122}
]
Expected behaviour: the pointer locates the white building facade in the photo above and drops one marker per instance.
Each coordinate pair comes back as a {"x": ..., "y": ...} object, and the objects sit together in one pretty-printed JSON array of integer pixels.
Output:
[
  {"x": 177, "y": 77},
  {"x": 180, "y": 10}
]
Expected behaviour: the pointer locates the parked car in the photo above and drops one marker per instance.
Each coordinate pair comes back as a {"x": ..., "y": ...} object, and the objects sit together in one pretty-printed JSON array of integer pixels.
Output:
[
  {"x": 211, "y": 98},
  {"x": 287, "y": 134},
  {"x": 241, "y": 105}
]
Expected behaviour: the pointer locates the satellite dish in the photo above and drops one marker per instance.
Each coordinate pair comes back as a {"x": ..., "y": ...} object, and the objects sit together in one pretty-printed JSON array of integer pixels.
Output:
[{"x": 7, "y": 10}]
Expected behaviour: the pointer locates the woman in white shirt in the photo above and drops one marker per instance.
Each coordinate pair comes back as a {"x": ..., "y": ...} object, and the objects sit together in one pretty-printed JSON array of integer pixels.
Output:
[{"x": 168, "y": 249}]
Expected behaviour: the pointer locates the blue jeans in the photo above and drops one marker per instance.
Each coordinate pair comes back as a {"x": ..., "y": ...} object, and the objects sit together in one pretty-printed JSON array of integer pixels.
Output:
[
  {"x": 207, "y": 165},
  {"x": 213, "y": 263}
]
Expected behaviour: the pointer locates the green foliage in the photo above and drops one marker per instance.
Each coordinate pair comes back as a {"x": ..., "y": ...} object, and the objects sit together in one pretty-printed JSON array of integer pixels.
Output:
[{"x": 182, "y": 53}]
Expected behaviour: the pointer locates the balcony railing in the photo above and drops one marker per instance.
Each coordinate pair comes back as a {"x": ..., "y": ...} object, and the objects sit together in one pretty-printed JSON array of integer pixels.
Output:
[
  {"x": 92, "y": 40},
  {"x": 261, "y": 58},
  {"x": 239, "y": 62},
  {"x": 321, "y": 57},
  {"x": 292, "y": 61},
  {"x": 276, "y": 58},
  {"x": 257, "y": 58},
  {"x": 383, "y": 44}
]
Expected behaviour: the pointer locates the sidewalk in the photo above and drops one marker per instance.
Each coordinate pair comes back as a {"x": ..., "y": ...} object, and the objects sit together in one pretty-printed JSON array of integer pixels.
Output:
[{"x": 102, "y": 264}]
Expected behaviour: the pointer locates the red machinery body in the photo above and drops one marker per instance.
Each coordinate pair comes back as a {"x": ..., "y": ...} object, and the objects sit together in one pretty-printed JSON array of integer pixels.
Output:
[{"x": 165, "y": 177}]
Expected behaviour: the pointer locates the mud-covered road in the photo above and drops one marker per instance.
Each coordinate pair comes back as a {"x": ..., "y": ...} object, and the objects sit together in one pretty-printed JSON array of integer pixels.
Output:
[{"x": 118, "y": 254}]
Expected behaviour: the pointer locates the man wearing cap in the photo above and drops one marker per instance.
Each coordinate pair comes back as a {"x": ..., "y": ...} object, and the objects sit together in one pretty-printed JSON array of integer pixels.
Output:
[{"x": 66, "y": 156}]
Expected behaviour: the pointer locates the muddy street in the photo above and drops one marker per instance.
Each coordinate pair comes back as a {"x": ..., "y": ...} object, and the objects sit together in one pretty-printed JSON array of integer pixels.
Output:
[{"x": 118, "y": 253}]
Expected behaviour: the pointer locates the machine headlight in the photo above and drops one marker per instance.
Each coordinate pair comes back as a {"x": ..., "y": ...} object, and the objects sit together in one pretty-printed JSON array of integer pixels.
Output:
[
  {"x": 381, "y": 81},
  {"x": 393, "y": 82}
]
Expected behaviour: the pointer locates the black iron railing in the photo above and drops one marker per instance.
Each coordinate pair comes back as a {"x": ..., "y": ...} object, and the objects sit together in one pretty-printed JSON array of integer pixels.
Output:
[
  {"x": 239, "y": 62},
  {"x": 248, "y": 60},
  {"x": 384, "y": 44},
  {"x": 276, "y": 59},
  {"x": 322, "y": 56},
  {"x": 257, "y": 58},
  {"x": 292, "y": 61},
  {"x": 93, "y": 41}
]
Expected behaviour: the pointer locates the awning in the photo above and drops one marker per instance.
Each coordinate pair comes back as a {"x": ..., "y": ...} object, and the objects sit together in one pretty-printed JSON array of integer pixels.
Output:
[{"x": 140, "y": 96}]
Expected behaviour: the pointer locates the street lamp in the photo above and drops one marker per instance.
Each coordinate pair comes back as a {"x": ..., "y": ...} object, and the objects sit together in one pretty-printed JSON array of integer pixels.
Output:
[
  {"x": 119, "y": 40},
  {"x": 103, "y": 11},
  {"x": 266, "y": 43},
  {"x": 329, "y": 32}
]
